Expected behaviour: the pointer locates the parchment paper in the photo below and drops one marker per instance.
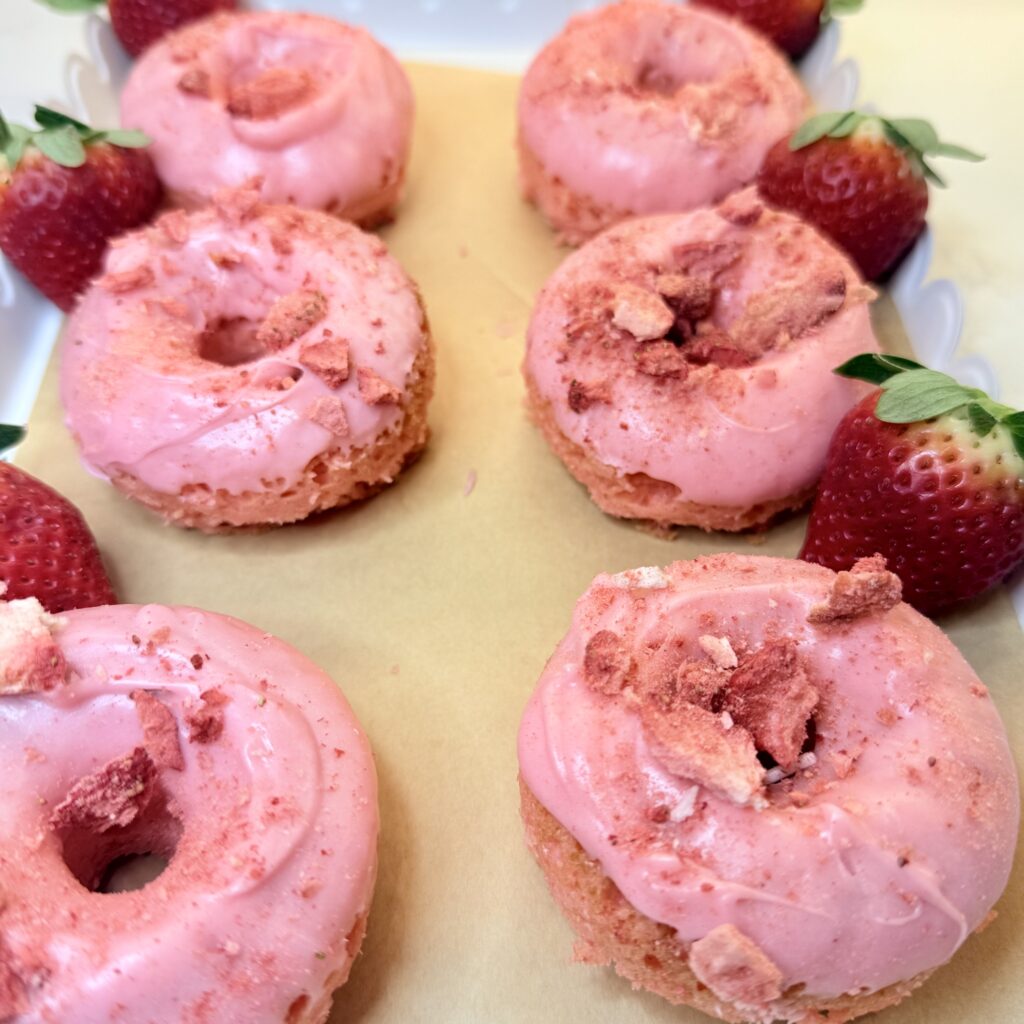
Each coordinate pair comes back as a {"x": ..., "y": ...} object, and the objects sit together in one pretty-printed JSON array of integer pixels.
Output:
[{"x": 435, "y": 611}]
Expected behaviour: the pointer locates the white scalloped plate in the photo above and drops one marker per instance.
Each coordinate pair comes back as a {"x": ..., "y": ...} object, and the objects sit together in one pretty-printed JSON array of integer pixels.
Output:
[{"x": 76, "y": 63}]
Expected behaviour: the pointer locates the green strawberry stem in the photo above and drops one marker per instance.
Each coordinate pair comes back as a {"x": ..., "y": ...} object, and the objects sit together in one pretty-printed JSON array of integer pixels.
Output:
[
  {"x": 61, "y": 138},
  {"x": 911, "y": 134},
  {"x": 10, "y": 436},
  {"x": 911, "y": 392},
  {"x": 832, "y": 8},
  {"x": 74, "y": 6}
]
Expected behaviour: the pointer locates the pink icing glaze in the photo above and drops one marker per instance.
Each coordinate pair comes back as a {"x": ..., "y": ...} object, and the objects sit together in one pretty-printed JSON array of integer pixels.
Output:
[
  {"x": 140, "y": 398},
  {"x": 724, "y": 436},
  {"x": 883, "y": 873},
  {"x": 650, "y": 107},
  {"x": 276, "y": 859},
  {"x": 342, "y": 145}
]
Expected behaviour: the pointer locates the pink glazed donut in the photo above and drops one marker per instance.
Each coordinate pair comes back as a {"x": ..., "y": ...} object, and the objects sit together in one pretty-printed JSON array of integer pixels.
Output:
[
  {"x": 766, "y": 790},
  {"x": 649, "y": 107},
  {"x": 247, "y": 365},
  {"x": 128, "y": 730},
  {"x": 681, "y": 365},
  {"x": 317, "y": 111}
]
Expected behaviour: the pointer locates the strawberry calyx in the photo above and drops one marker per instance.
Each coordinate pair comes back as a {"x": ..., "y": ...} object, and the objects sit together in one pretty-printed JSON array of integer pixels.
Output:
[
  {"x": 832, "y": 8},
  {"x": 61, "y": 138},
  {"x": 913, "y": 135},
  {"x": 75, "y": 6},
  {"x": 10, "y": 436},
  {"x": 912, "y": 393}
]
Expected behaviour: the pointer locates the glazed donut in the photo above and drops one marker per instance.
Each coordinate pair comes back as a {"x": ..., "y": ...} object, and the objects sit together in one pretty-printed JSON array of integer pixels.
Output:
[
  {"x": 680, "y": 365},
  {"x": 129, "y": 730},
  {"x": 244, "y": 365},
  {"x": 831, "y": 883},
  {"x": 317, "y": 111},
  {"x": 648, "y": 107}
]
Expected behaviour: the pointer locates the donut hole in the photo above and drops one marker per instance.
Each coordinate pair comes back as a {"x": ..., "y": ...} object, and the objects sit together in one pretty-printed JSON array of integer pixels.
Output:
[
  {"x": 131, "y": 872},
  {"x": 124, "y": 858},
  {"x": 231, "y": 341},
  {"x": 655, "y": 77}
]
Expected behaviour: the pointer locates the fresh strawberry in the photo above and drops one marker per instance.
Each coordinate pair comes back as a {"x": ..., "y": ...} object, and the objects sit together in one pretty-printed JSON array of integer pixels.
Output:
[
  {"x": 860, "y": 179},
  {"x": 928, "y": 473},
  {"x": 46, "y": 550},
  {"x": 65, "y": 191},
  {"x": 792, "y": 25},
  {"x": 140, "y": 23}
]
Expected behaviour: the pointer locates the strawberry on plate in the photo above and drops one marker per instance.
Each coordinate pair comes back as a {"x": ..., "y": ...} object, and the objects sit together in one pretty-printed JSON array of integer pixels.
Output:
[
  {"x": 139, "y": 23},
  {"x": 65, "y": 191},
  {"x": 860, "y": 179},
  {"x": 46, "y": 549},
  {"x": 928, "y": 473},
  {"x": 792, "y": 25}
]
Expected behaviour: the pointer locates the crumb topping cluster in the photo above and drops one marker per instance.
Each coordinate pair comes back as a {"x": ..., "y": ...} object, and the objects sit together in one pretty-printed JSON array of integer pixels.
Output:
[
  {"x": 664, "y": 321},
  {"x": 742, "y": 717}
]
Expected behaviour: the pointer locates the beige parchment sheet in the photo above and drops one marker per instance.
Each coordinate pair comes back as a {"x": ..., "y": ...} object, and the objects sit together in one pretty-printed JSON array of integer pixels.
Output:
[{"x": 435, "y": 611}]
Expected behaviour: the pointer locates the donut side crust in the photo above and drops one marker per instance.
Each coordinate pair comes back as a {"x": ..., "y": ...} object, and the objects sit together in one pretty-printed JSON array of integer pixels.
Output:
[
  {"x": 317, "y": 1011},
  {"x": 367, "y": 212},
  {"x": 574, "y": 216},
  {"x": 639, "y": 496},
  {"x": 611, "y": 932},
  {"x": 332, "y": 479}
]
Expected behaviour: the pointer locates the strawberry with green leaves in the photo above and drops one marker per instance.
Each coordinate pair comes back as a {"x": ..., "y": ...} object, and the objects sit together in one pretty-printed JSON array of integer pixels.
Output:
[
  {"x": 65, "y": 191},
  {"x": 928, "y": 473},
  {"x": 792, "y": 25},
  {"x": 860, "y": 179},
  {"x": 46, "y": 548},
  {"x": 139, "y": 23}
]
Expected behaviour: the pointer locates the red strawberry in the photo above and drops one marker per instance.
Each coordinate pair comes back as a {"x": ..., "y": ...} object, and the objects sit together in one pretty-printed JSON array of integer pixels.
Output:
[
  {"x": 139, "y": 23},
  {"x": 928, "y": 473},
  {"x": 46, "y": 550},
  {"x": 860, "y": 179},
  {"x": 792, "y": 25},
  {"x": 66, "y": 192}
]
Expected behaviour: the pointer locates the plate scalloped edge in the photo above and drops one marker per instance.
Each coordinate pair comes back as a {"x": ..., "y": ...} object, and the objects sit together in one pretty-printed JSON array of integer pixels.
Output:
[{"x": 932, "y": 311}]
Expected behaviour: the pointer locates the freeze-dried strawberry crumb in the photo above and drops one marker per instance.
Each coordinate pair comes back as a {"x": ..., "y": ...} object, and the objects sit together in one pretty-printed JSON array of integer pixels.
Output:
[
  {"x": 865, "y": 589},
  {"x": 159, "y": 730},
  {"x": 662, "y": 359},
  {"x": 582, "y": 396},
  {"x": 374, "y": 389},
  {"x": 111, "y": 797},
  {"x": 290, "y": 317},
  {"x": 735, "y": 968},
  {"x": 206, "y": 721},
  {"x": 328, "y": 359},
  {"x": 772, "y": 697},
  {"x": 329, "y": 412},
  {"x": 693, "y": 743},
  {"x": 270, "y": 94},
  {"x": 606, "y": 662}
]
